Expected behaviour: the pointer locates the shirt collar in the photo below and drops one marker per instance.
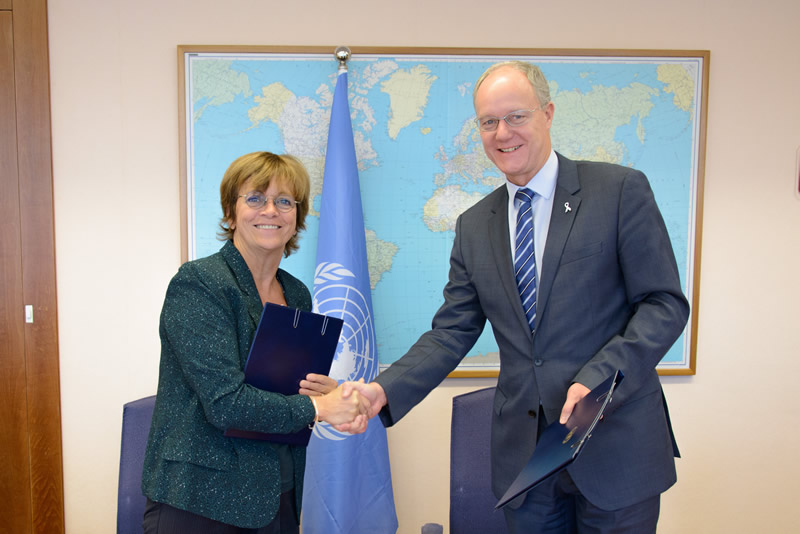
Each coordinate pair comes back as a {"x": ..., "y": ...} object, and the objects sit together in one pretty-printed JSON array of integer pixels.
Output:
[{"x": 543, "y": 182}]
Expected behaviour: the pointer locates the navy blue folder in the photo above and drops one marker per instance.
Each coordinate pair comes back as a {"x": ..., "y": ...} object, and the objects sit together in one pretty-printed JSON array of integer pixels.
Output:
[
  {"x": 559, "y": 445},
  {"x": 288, "y": 344}
]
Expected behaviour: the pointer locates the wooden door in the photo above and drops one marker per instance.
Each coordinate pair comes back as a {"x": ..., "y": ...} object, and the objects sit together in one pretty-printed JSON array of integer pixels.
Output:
[{"x": 31, "y": 479}]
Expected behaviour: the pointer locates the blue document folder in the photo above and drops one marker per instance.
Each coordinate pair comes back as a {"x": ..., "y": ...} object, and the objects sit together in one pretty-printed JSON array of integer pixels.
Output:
[
  {"x": 559, "y": 445},
  {"x": 288, "y": 344}
]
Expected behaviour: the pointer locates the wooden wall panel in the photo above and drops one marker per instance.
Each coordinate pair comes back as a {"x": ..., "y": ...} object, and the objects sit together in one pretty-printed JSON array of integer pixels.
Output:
[
  {"x": 15, "y": 488},
  {"x": 38, "y": 264}
]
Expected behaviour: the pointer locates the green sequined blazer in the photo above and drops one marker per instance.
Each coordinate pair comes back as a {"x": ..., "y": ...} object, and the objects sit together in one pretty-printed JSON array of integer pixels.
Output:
[{"x": 208, "y": 321}]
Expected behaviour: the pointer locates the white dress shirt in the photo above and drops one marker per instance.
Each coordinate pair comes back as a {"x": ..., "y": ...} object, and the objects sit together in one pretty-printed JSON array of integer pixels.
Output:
[{"x": 543, "y": 184}]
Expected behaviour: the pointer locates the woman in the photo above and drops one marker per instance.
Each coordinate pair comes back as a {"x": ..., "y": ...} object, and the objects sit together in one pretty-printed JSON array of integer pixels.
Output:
[{"x": 195, "y": 478}]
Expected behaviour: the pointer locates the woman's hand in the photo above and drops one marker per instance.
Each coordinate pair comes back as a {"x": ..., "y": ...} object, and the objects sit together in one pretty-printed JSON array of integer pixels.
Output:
[{"x": 316, "y": 385}]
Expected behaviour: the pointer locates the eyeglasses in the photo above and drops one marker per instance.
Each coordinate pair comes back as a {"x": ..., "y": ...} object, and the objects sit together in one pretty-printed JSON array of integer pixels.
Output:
[
  {"x": 513, "y": 119},
  {"x": 258, "y": 200}
]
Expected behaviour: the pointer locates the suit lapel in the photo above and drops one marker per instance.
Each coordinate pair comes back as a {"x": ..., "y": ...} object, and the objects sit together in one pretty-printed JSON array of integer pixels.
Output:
[
  {"x": 499, "y": 241},
  {"x": 245, "y": 281},
  {"x": 565, "y": 209}
]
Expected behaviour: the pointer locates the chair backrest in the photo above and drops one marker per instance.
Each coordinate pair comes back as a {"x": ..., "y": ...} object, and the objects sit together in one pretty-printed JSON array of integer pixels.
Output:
[
  {"x": 136, "y": 417},
  {"x": 471, "y": 499}
]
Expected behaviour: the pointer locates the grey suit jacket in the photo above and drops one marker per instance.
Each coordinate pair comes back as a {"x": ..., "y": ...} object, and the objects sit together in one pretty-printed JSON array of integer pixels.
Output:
[
  {"x": 609, "y": 298},
  {"x": 208, "y": 321}
]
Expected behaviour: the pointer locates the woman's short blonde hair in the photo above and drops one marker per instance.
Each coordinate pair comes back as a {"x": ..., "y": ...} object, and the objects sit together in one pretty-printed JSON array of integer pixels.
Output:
[{"x": 261, "y": 168}]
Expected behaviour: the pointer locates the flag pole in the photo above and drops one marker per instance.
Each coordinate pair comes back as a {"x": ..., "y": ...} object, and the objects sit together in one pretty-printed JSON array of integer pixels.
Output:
[{"x": 348, "y": 483}]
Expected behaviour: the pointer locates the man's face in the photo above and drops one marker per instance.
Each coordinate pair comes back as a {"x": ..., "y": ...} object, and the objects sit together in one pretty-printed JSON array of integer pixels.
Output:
[{"x": 519, "y": 152}]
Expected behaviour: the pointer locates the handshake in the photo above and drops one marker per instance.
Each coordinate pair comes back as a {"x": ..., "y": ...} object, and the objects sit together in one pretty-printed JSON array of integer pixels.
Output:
[{"x": 347, "y": 407}]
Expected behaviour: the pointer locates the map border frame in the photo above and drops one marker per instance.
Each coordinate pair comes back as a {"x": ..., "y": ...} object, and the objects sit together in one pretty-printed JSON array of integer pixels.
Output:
[{"x": 688, "y": 366}]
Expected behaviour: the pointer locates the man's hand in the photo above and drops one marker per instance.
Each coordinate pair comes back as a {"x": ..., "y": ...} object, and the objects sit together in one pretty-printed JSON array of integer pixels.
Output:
[
  {"x": 574, "y": 394},
  {"x": 372, "y": 394},
  {"x": 342, "y": 408}
]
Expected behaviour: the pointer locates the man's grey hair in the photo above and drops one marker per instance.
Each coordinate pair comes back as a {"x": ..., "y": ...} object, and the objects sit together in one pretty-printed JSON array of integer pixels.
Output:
[{"x": 531, "y": 71}]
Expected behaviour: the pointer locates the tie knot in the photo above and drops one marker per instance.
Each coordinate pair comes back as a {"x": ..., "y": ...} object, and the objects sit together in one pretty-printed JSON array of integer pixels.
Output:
[{"x": 524, "y": 196}]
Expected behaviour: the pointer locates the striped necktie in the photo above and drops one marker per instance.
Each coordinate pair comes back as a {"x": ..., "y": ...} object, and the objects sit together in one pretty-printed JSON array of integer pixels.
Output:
[{"x": 524, "y": 257}]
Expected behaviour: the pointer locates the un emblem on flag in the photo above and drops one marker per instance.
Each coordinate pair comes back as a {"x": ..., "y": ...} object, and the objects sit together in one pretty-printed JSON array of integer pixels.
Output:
[{"x": 337, "y": 293}]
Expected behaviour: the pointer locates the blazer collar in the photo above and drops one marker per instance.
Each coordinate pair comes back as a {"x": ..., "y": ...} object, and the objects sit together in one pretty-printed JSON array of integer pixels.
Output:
[
  {"x": 566, "y": 204},
  {"x": 244, "y": 279}
]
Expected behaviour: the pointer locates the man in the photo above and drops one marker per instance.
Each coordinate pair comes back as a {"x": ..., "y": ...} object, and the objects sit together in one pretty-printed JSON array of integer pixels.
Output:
[{"x": 604, "y": 294}]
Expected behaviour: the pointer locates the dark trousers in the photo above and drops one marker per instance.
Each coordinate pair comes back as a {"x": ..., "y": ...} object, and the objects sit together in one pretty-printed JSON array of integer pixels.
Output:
[
  {"x": 162, "y": 518},
  {"x": 557, "y": 507}
]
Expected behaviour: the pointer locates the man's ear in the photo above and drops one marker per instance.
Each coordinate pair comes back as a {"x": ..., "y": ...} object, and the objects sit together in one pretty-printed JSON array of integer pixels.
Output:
[{"x": 549, "y": 111}]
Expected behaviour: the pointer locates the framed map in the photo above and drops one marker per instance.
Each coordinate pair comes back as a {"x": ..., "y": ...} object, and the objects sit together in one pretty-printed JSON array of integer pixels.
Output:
[{"x": 420, "y": 158}]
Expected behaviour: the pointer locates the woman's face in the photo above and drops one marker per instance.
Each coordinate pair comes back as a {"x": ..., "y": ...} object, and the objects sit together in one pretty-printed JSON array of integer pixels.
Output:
[{"x": 263, "y": 230}]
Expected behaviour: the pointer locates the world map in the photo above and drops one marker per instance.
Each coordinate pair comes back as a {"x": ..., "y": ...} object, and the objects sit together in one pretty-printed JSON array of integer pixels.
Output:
[{"x": 420, "y": 158}]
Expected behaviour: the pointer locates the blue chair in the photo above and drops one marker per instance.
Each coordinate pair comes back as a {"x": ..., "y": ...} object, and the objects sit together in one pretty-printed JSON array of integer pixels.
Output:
[
  {"x": 471, "y": 499},
  {"x": 136, "y": 417}
]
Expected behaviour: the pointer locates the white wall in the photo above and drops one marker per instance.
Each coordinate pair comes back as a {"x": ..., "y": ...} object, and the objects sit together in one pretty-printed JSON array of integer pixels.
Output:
[{"x": 115, "y": 153}]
